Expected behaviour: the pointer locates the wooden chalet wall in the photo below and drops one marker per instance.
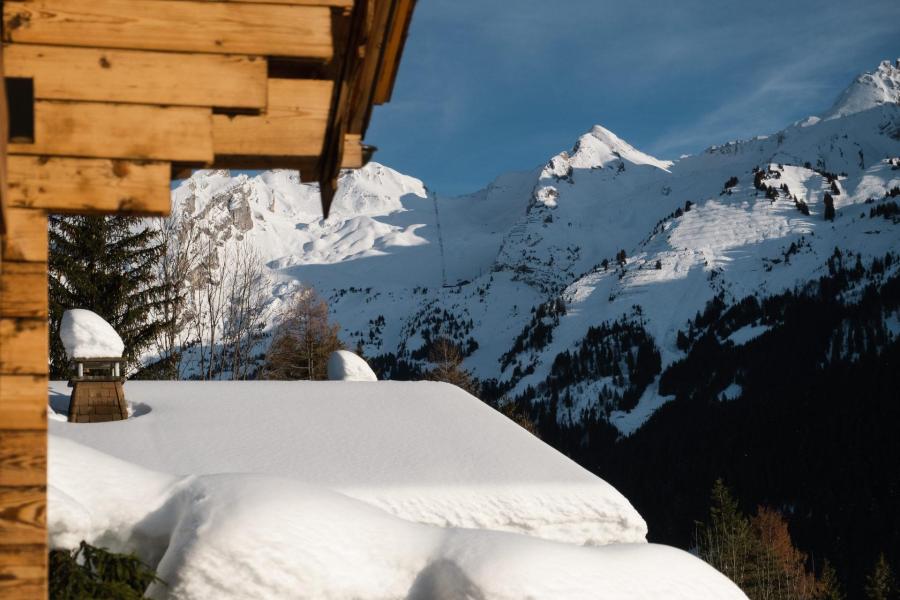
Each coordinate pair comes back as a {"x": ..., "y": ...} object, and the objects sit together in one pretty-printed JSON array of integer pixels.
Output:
[{"x": 122, "y": 95}]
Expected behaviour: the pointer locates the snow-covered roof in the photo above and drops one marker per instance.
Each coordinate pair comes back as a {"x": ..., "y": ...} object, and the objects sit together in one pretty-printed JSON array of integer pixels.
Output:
[
  {"x": 423, "y": 451},
  {"x": 350, "y": 490}
]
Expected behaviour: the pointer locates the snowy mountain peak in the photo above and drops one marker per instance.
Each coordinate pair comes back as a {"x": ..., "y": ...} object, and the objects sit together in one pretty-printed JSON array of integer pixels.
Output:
[
  {"x": 871, "y": 89},
  {"x": 597, "y": 149}
]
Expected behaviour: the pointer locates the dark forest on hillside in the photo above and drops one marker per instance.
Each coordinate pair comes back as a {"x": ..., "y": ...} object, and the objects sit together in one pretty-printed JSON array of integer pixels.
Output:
[{"x": 815, "y": 433}]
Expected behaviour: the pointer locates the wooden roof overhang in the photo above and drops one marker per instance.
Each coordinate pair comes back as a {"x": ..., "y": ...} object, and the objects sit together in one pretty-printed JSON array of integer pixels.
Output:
[
  {"x": 107, "y": 101},
  {"x": 156, "y": 87}
]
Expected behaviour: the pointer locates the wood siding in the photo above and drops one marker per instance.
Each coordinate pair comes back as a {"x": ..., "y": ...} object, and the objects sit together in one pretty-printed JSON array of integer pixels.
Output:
[{"x": 126, "y": 93}]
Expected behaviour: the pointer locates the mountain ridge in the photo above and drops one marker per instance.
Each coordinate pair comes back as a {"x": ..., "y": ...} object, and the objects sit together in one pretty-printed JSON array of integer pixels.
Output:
[{"x": 616, "y": 234}]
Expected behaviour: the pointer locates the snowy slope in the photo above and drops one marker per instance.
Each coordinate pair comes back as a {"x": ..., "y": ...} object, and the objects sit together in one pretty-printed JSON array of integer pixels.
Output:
[
  {"x": 401, "y": 266},
  {"x": 245, "y": 535},
  {"x": 423, "y": 451}
]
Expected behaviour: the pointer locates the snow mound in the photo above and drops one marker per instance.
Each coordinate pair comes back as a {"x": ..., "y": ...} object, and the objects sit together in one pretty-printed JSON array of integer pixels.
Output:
[
  {"x": 882, "y": 86},
  {"x": 347, "y": 366},
  {"x": 85, "y": 334},
  {"x": 422, "y": 451},
  {"x": 254, "y": 536}
]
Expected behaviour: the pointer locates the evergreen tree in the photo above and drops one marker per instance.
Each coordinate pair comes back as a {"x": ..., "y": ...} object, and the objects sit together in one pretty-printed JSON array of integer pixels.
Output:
[
  {"x": 725, "y": 541},
  {"x": 829, "y": 586},
  {"x": 829, "y": 207},
  {"x": 92, "y": 573},
  {"x": 880, "y": 583},
  {"x": 107, "y": 265}
]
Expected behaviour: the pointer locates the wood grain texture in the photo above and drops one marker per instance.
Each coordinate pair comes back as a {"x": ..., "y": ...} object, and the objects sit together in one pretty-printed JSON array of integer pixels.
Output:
[
  {"x": 23, "y": 515},
  {"x": 23, "y": 402},
  {"x": 353, "y": 152},
  {"x": 23, "y": 346},
  {"x": 89, "y": 185},
  {"x": 294, "y": 123},
  {"x": 23, "y": 572},
  {"x": 23, "y": 290},
  {"x": 333, "y": 3},
  {"x": 173, "y": 25},
  {"x": 30, "y": 240},
  {"x": 135, "y": 131},
  {"x": 91, "y": 74},
  {"x": 4, "y": 136},
  {"x": 23, "y": 458},
  {"x": 393, "y": 50}
]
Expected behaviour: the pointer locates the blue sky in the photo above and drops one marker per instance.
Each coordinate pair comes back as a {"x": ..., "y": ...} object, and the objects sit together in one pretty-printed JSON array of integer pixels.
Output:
[{"x": 490, "y": 86}]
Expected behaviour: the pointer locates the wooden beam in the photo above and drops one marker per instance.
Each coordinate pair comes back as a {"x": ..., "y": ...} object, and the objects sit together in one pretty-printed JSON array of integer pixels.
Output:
[
  {"x": 89, "y": 185},
  {"x": 91, "y": 74},
  {"x": 137, "y": 131},
  {"x": 307, "y": 165},
  {"x": 23, "y": 346},
  {"x": 23, "y": 572},
  {"x": 362, "y": 89},
  {"x": 393, "y": 50},
  {"x": 22, "y": 404},
  {"x": 294, "y": 123},
  {"x": 360, "y": 52},
  {"x": 30, "y": 240},
  {"x": 23, "y": 458},
  {"x": 173, "y": 25},
  {"x": 4, "y": 136},
  {"x": 332, "y": 3},
  {"x": 23, "y": 289},
  {"x": 353, "y": 156},
  {"x": 23, "y": 515}
]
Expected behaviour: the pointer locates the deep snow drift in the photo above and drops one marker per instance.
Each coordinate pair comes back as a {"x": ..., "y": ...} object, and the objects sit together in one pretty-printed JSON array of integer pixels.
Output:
[
  {"x": 340, "y": 490},
  {"x": 85, "y": 334},
  {"x": 256, "y": 536}
]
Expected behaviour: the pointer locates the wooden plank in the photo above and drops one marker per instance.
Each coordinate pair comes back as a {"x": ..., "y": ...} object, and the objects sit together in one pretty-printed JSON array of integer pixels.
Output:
[
  {"x": 307, "y": 165},
  {"x": 23, "y": 290},
  {"x": 91, "y": 74},
  {"x": 23, "y": 572},
  {"x": 89, "y": 185},
  {"x": 353, "y": 152},
  {"x": 360, "y": 57},
  {"x": 23, "y": 458},
  {"x": 29, "y": 242},
  {"x": 363, "y": 83},
  {"x": 23, "y": 346},
  {"x": 23, "y": 401},
  {"x": 332, "y": 3},
  {"x": 137, "y": 131},
  {"x": 173, "y": 25},
  {"x": 393, "y": 50},
  {"x": 23, "y": 515},
  {"x": 294, "y": 123},
  {"x": 4, "y": 136}
]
